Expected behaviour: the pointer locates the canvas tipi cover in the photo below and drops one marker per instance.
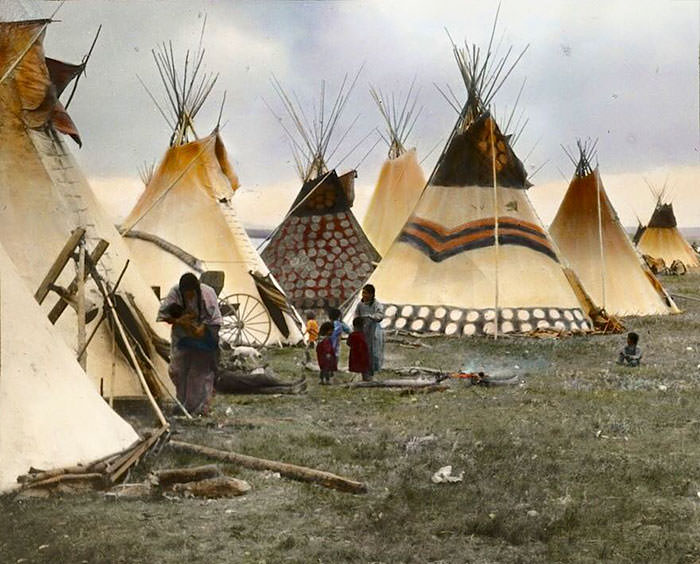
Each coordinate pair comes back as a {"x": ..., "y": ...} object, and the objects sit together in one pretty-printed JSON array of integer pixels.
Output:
[
  {"x": 661, "y": 239},
  {"x": 45, "y": 197},
  {"x": 600, "y": 252},
  {"x": 401, "y": 178},
  {"x": 51, "y": 416},
  {"x": 188, "y": 204},
  {"x": 448, "y": 272}
]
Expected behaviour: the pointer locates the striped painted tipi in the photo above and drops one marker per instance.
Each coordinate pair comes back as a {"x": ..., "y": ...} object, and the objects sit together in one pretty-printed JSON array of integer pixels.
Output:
[{"x": 473, "y": 258}]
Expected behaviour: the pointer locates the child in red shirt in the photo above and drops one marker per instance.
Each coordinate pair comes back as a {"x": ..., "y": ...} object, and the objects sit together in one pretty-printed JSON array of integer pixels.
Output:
[
  {"x": 359, "y": 351},
  {"x": 325, "y": 353}
]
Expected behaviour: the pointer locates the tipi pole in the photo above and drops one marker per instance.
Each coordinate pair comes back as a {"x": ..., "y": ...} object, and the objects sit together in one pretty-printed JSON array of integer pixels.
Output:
[
  {"x": 600, "y": 240},
  {"x": 80, "y": 295},
  {"x": 495, "y": 224}
]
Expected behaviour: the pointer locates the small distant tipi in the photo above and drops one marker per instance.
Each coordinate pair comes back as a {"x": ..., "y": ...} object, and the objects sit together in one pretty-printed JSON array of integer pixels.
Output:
[
  {"x": 590, "y": 237},
  {"x": 319, "y": 253},
  {"x": 185, "y": 219},
  {"x": 401, "y": 179},
  {"x": 473, "y": 258},
  {"x": 661, "y": 238}
]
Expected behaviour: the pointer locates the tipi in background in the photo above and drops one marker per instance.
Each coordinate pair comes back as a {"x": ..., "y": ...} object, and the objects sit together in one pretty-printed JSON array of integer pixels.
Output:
[
  {"x": 319, "y": 253},
  {"x": 401, "y": 179},
  {"x": 474, "y": 257},
  {"x": 45, "y": 196},
  {"x": 185, "y": 220},
  {"x": 661, "y": 238},
  {"x": 590, "y": 237},
  {"x": 51, "y": 416}
]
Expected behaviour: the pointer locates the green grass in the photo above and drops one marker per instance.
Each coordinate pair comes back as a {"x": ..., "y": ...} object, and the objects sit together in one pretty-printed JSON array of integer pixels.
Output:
[{"x": 585, "y": 461}]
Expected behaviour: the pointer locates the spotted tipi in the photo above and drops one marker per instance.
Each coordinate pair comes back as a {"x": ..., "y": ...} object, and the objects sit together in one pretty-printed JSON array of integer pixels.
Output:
[
  {"x": 590, "y": 237},
  {"x": 319, "y": 253}
]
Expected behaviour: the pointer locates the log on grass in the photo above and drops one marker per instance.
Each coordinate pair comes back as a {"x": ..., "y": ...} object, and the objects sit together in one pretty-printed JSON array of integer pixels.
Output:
[
  {"x": 292, "y": 471},
  {"x": 394, "y": 384},
  {"x": 222, "y": 486},
  {"x": 168, "y": 477}
]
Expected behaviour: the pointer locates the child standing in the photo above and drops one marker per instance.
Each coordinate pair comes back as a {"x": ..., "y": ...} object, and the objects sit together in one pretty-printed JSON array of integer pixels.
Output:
[
  {"x": 312, "y": 332},
  {"x": 338, "y": 329},
  {"x": 359, "y": 351},
  {"x": 631, "y": 355},
  {"x": 327, "y": 361}
]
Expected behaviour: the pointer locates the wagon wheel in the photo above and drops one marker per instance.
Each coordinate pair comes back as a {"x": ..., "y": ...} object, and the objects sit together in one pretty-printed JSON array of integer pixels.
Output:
[{"x": 245, "y": 321}]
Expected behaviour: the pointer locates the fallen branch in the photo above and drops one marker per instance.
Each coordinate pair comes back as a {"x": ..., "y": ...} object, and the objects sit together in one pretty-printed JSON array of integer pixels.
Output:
[
  {"x": 292, "y": 471},
  {"x": 394, "y": 384},
  {"x": 59, "y": 478}
]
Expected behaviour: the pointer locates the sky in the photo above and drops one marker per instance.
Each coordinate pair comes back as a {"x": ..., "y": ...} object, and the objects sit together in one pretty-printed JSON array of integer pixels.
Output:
[{"x": 622, "y": 72}]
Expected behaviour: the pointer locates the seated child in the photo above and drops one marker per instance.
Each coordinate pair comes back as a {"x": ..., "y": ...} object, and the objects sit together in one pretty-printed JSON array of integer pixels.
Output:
[
  {"x": 359, "y": 351},
  {"x": 327, "y": 361},
  {"x": 631, "y": 355}
]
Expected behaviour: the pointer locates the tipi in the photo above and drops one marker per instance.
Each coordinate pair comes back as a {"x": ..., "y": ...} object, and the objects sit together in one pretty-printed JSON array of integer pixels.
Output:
[
  {"x": 51, "y": 416},
  {"x": 185, "y": 221},
  {"x": 401, "y": 179},
  {"x": 319, "y": 253},
  {"x": 45, "y": 197},
  {"x": 661, "y": 238},
  {"x": 591, "y": 239},
  {"x": 473, "y": 258}
]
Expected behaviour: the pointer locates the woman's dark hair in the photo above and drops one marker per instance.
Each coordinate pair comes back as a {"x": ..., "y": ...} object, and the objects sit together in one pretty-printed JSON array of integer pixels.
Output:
[
  {"x": 174, "y": 311},
  {"x": 357, "y": 323},
  {"x": 371, "y": 291},
  {"x": 326, "y": 328},
  {"x": 188, "y": 281}
]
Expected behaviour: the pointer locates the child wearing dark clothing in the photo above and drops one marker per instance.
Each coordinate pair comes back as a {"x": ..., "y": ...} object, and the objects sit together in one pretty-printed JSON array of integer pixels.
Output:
[
  {"x": 359, "y": 351},
  {"x": 631, "y": 355},
  {"x": 325, "y": 353},
  {"x": 339, "y": 327}
]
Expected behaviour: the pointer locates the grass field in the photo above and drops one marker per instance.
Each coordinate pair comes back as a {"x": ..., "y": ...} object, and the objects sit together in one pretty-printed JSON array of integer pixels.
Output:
[{"x": 585, "y": 461}]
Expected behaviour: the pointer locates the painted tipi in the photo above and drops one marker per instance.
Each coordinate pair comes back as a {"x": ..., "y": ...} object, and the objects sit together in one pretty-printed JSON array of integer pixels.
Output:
[
  {"x": 185, "y": 221},
  {"x": 473, "y": 258},
  {"x": 401, "y": 179},
  {"x": 319, "y": 253},
  {"x": 51, "y": 416},
  {"x": 45, "y": 197},
  {"x": 590, "y": 237}
]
